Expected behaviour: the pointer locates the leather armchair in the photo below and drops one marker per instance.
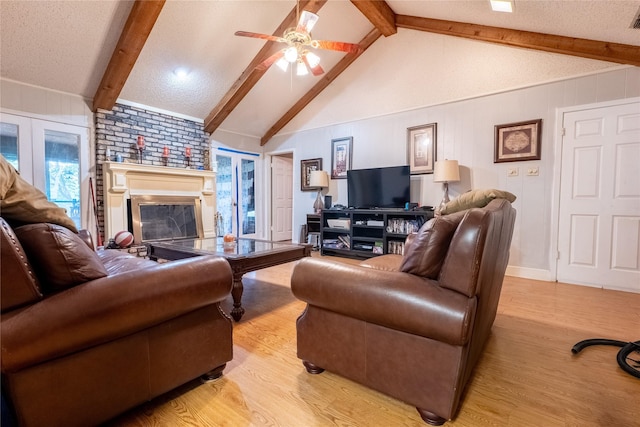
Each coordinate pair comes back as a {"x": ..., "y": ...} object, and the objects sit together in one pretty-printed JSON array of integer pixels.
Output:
[
  {"x": 125, "y": 331},
  {"x": 411, "y": 327}
]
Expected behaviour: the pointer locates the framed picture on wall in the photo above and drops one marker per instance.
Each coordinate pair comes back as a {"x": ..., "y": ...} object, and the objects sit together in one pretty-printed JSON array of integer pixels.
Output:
[
  {"x": 421, "y": 148},
  {"x": 340, "y": 157},
  {"x": 518, "y": 141},
  {"x": 306, "y": 167}
]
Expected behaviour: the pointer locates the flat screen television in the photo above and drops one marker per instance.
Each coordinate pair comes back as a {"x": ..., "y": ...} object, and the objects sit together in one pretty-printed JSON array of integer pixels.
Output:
[{"x": 388, "y": 187}]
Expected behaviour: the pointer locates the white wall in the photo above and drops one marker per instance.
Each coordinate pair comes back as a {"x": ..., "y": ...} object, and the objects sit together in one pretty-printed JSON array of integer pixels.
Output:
[
  {"x": 466, "y": 133},
  {"x": 46, "y": 104}
]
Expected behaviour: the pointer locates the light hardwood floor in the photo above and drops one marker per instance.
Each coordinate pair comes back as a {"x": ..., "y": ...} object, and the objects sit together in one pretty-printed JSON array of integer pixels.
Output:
[{"x": 526, "y": 377}]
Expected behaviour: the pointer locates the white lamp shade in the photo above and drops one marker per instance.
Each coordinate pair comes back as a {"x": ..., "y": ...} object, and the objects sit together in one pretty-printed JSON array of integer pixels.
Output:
[
  {"x": 301, "y": 69},
  {"x": 313, "y": 59},
  {"x": 283, "y": 64},
  {"x": 319, "y": 179},
  {"x": 291, "y": 54},
  {"x": 446, "y": 171}
]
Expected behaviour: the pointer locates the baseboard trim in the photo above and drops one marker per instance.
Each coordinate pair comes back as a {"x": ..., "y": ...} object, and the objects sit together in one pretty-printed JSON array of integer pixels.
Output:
[{"x": 530, "y": 273}]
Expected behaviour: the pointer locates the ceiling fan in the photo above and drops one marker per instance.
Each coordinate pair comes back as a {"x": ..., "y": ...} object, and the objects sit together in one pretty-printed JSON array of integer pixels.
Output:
[{"x": 298, "y": 40}]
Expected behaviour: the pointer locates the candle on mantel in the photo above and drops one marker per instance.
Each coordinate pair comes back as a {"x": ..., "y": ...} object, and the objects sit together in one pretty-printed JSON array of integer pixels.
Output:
[
  {"x": 140, "y": 141},
  {"x": 165, "y": 151},
  {"x": 187, "y": 152}
]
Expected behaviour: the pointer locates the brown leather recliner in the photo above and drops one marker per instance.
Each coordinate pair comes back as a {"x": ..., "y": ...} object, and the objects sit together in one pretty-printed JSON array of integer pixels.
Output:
[
  {"x": 412, "y": 327},
  {"x": 86, "y": 335}
]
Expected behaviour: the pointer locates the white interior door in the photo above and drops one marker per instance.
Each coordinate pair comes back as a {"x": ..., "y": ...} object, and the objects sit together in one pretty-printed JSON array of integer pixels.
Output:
[
  {"x": 281, "y": 198},
  {"x": 599, "y": 216}
]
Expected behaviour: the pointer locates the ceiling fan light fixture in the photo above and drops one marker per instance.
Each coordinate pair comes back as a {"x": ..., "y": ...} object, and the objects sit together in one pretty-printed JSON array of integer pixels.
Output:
[
  {"x": 502, "y": 5},
  {"x": 298, "y": 39},
  {"x": 312, "y": 59},
  {"x": 291, "y": 54},
  {"x": 301, "y": 69},
  {"x": 283, "y": 64}
]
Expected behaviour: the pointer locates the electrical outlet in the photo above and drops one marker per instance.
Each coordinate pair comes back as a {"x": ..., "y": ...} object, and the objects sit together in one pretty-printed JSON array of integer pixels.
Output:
[
  {"x": 512, "y": 172},
  {"x": 533, "y": 171}
]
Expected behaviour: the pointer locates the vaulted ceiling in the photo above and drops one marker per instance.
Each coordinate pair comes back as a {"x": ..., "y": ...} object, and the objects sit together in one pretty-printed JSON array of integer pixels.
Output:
[{"x": 413, "y": 53}]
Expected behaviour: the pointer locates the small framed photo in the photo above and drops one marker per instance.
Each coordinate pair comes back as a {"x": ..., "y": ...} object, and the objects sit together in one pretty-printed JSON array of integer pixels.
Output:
[
  {"x": 518, "y": 141},
  {"x": 306, "y": 167},
  {"x": 340, "y": 157},
  {"x": 421, "y": 148}
]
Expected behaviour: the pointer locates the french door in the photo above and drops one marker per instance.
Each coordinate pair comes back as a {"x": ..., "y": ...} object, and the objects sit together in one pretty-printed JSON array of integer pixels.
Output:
[
  {"x": 236, "y": 192},
  {"x": 53, "y": 157}
]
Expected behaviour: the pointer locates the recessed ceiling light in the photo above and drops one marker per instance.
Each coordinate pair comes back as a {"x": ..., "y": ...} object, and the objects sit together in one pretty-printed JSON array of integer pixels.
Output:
[
  {"x": 502, "y": 5},
  {"x": 181, "y": 73}
]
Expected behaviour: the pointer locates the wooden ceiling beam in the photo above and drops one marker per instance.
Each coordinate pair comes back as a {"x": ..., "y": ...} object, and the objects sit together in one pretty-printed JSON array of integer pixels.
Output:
[
  {"x": 325, "y": 81},
  {"x": 134, "y": 35},
  {"x": 380, "y": 15},
  {"x": 585, "y": 48},
  {"x": 250, "y": 76}
]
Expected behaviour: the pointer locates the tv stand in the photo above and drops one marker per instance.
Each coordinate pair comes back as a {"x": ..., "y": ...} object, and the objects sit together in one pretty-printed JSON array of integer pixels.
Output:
[{"x": 365, "y": 233}]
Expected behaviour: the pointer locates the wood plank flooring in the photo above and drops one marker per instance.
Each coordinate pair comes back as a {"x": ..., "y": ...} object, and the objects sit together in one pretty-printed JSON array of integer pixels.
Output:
[{"x": 526, "y": 377}]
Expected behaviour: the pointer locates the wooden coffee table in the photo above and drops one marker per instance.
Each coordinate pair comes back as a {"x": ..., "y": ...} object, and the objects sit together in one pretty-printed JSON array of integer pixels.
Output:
[{"x": 247, "y": 255}]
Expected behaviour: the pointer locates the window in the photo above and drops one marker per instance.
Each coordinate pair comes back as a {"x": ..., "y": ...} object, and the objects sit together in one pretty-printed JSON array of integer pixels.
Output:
[
  {"x": 54, "y": 157},
  {"x": 62, "y": 171},
  {"x": 9, "y": 143}
]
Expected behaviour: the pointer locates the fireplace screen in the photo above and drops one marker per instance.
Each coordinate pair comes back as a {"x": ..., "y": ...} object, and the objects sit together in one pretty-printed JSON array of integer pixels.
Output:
[{"x": 165, "y": 218}]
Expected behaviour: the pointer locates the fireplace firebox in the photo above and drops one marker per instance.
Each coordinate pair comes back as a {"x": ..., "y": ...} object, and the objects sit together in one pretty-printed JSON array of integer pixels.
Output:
[{"x": 156, "y": 218}]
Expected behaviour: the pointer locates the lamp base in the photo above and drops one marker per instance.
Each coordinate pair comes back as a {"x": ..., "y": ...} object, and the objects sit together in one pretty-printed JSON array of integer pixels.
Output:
[
  {"x": 445, "y": 196},
  {"x": 318, "y": 205}
]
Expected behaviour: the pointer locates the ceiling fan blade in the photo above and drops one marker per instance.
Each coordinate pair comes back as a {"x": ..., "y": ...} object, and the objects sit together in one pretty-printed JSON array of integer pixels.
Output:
[
  {"x": 340, "y": 46},
  {"x": 316, "y": 71},
  {"x": 260, "y": 36},
  {"x": 306, "y": 22},
  {"x": 270, "y": 60}
]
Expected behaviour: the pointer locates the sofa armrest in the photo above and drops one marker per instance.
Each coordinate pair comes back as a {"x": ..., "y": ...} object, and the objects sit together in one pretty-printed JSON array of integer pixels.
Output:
[
  {"x": 396, "y": 300},
  {"x": 111, "y": 307}
]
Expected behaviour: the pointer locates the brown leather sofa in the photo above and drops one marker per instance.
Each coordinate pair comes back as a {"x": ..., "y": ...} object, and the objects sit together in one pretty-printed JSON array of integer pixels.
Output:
[
  {"x": 412, "y": 326},
  {"x": 86, "y": 335}
]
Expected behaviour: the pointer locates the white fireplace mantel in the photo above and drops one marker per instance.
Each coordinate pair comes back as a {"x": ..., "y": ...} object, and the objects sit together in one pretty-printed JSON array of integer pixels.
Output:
[{"x": 123, "y": 180}]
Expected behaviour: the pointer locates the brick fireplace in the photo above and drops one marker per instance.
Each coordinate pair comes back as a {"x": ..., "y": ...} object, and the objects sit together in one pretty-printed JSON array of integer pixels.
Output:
[{"x": 124, "y": 182}]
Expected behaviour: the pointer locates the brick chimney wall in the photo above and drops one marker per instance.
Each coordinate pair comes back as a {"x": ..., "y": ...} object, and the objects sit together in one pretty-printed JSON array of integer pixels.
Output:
[{"x": 118, "y": 131}]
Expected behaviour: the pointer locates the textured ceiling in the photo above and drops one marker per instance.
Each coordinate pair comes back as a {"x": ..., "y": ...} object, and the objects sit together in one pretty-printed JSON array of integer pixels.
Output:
[
  {"x": 66, "y": 45},
  {"x": 62, "y": 45}
]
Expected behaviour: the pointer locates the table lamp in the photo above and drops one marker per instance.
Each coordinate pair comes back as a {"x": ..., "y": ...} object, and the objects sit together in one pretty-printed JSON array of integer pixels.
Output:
[
  {"x": 446, "y": 171},
  {"x": 320, "y": 180}
]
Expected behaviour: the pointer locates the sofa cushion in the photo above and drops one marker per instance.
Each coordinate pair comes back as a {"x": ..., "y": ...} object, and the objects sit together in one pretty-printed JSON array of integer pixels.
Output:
[
  {"x": 22, "y": 203},
  {"x": 59, "y": 257},
  {"x": 116, "y": 262},
  {"x": 424, "y": 251},
  {"x": 388, "y": 262},
  {"x": 475, "y": 199},
  {"x": 18, "y": 280}
]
